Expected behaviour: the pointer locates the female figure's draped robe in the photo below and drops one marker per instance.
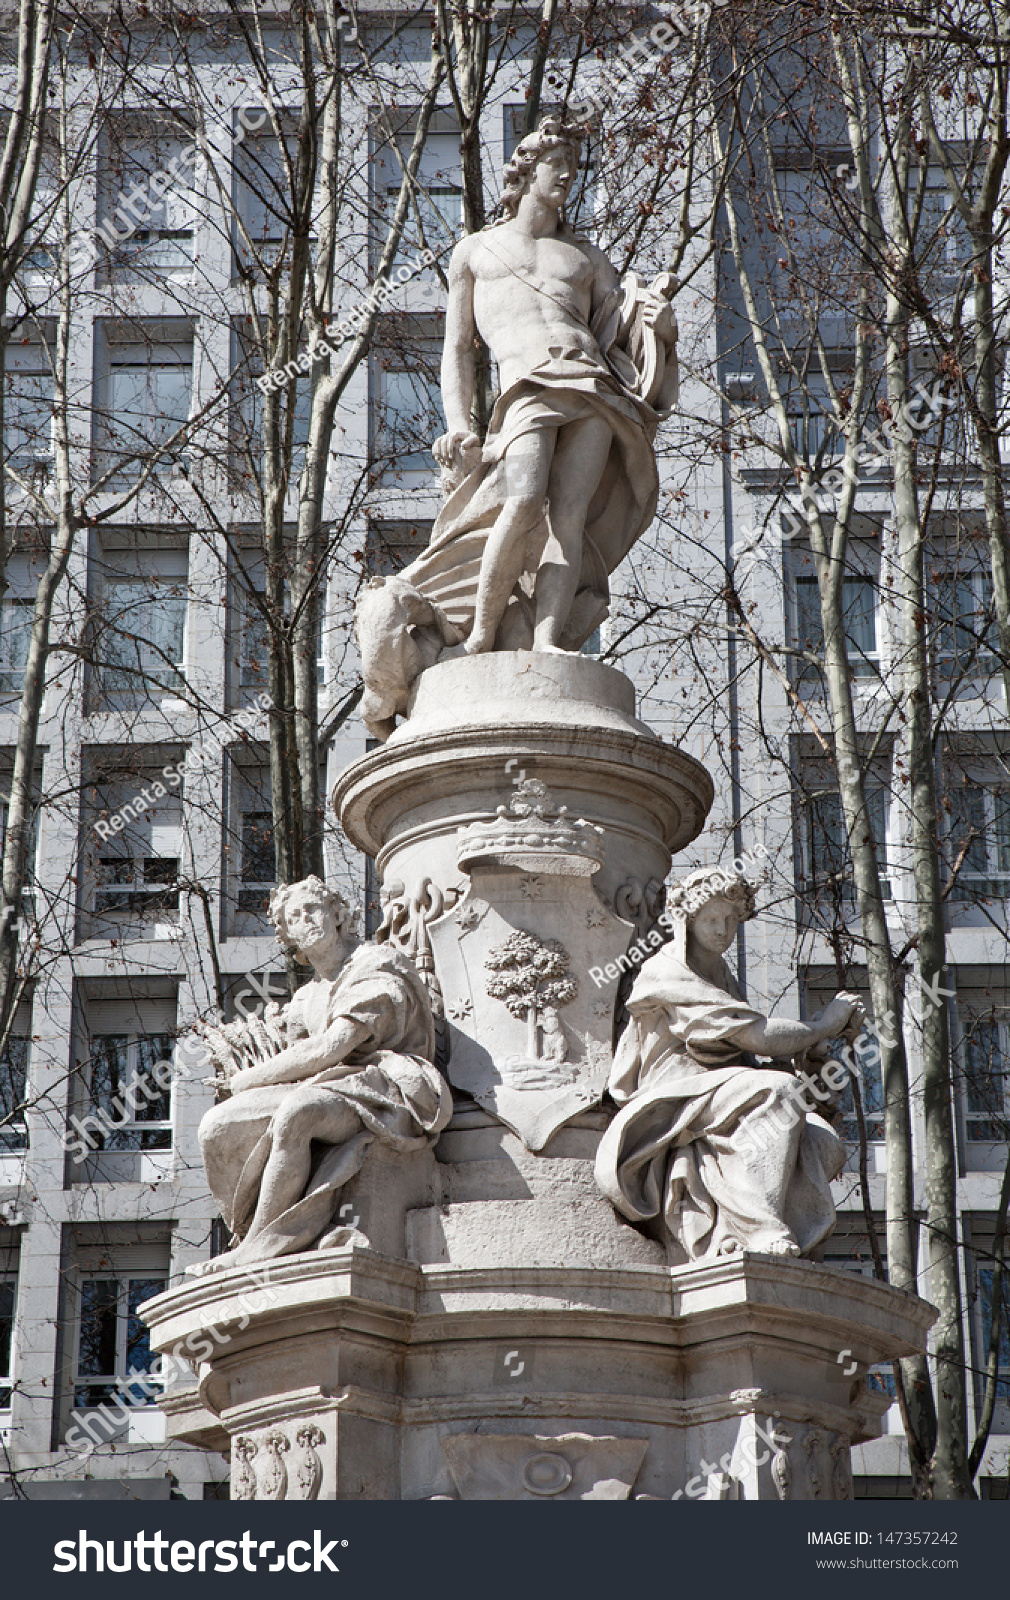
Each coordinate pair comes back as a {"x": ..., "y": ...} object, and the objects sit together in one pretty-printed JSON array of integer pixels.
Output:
[
  {"x": 401, "y": 1099},
  {"x": 707, "y": 1142}
]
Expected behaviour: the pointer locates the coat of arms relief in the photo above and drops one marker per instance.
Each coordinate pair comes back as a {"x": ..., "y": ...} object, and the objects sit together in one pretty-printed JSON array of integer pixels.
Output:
[{"x": 530, "y": 1036}]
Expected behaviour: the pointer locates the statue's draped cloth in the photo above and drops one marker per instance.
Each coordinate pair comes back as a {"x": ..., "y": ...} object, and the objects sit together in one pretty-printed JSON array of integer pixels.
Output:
[
  {"x": 568, "y": 386},
  {"x": 388, "y": 1080},
  {"x": 706, "y": 1139}
]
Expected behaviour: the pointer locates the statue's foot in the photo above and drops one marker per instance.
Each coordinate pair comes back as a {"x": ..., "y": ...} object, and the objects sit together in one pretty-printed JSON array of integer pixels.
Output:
[
  {"x": 478, "y": 644},
  {"x": 786, "y": 1246},
  {"x": 201, "y": 1269}
]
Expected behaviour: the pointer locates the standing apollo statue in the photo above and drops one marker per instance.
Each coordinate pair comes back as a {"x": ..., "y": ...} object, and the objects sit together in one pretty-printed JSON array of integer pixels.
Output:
[{"x": 541, "y": 512}]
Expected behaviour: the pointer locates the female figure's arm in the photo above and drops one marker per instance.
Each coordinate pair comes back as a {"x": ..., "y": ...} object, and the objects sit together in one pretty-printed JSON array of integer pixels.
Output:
[{"x": 781, "y": 1038}]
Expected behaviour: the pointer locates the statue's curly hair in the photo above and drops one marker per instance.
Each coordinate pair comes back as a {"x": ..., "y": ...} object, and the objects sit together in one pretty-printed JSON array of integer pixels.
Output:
[
  {"x": 551, "y": 135},
  {"x": 281, "y": 898},
  {"x": 687, "y": 896}
]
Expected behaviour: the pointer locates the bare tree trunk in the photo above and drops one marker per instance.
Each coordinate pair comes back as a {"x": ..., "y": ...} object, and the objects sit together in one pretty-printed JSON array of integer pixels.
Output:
[{"x": 948, "y": 1467}]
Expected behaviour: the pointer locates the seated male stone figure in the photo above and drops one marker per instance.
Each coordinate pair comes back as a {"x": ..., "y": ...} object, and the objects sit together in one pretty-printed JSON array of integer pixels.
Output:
[
  {"x": 546, "y": 507},
  {"x": 711, "y": 1149},
  {"x": 342, "y": 1072}
]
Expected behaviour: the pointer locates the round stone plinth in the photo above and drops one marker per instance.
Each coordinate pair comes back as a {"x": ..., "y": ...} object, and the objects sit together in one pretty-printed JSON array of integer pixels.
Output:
[{"x": 480, "y": 723}]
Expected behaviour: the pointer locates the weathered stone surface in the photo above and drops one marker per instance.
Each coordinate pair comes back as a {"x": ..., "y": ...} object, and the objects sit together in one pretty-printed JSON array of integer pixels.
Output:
[
  {"x": 727, "y": 1368},
  {"x": 569, "y": 1466}
]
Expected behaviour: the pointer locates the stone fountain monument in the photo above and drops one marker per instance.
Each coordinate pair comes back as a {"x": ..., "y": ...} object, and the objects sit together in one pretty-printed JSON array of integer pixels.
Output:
[{"x": 523, "y": 1201}]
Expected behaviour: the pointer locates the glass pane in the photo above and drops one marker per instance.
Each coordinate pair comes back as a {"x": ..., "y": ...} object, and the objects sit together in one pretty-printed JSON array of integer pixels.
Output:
[
  {"x": 28, "y": 417},
  {"x": 955, "y": 623},
  {"x": 139, "y": 1356},
  {"x": 110, "y": 1074},
  {"x": 258, "y": 861},
  {"x": 6, "y": 1329},
  {"x": 145, "y": 638},
  {"x": 15, "y": 638},
  {"x": 146, "y": 404},
  {"x": 13, "y": 1085},
  {"x": 411, "y": 419},
  {"x": 828, "y": 841},
  {"x": 968, "y": 834},
  {"x": 809, "y": 632},
  {"x": 154, "y": 1104},
  {"x": 96, "y": 1351},
  {"x": 859, "y": 601},
  {"x": 985, "y": 1080},
  {"x": 985, "y": 1277},
  {"x": 255, "y": 649},
  {"x": 441, "y": 217}
]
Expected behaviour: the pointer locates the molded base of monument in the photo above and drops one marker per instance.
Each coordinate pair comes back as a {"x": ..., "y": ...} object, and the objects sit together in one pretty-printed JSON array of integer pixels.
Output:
[{"x": 359, "y": 1376}]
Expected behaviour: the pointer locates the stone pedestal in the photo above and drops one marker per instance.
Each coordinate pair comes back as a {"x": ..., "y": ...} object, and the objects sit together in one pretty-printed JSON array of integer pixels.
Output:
[
  {"x": 365, "y": 1377},
  {"x": 507, "y": 1335}
]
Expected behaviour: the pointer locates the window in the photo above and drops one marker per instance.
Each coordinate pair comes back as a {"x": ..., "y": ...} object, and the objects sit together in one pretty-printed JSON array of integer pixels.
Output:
[
  {"x": 261, "y": 190},
  {"x": 984, "y": 1063},
  {"x": 146, "y": 203},
  {"x": 867, "y": 1061},
  {"x": 394, "y": 545},
  {"x": 122, "y": 1095},
  {"x": 131, "y": 848},
  {"x": 985, "y": 1286},
  {"x": 137, "y": 883},
  {"x": 943, "y": 244},
  {"x": 138, "y": 596},
  {"x": 28, "y": 406},
  {"x": 254, "y": 631},
  {"x": 145, "y": 644},
  {"x": 113, "y": 1341},
  {"x": 814, "y": 430},
  {"x": 979, "y": 840},
  {"x": 257, "y": 872},
  {"x": 250, "y": 846},
  {"x": 8, "y": 1295},
  {"x": 246, "y": 413},
  {"x": 963, "y": 623},
  {"x": 143, "y": 385},
  {"x": 827, "y": 859},
  {"x": 15, "y": 637},
  {"x": 406, "y": 412},
  {"x": 438, "y": 200},
  {"x": 859, "y": 616},
  {"x": 13, "y": 1092}
]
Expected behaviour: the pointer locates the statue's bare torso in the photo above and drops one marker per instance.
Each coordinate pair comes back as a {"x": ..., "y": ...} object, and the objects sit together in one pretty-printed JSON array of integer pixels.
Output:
[{"x": 531, "y": 294}]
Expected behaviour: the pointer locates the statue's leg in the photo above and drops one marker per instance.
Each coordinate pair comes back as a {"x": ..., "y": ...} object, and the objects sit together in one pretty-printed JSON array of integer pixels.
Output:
[
  {"x": 580, "y": 458},
  {"x": 307, "y": 1113},
  {"x": 527, "y": 468}
]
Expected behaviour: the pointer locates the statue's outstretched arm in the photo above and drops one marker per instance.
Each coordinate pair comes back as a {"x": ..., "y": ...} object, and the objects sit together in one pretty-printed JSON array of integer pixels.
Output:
[
  {"x": 305, "y": 1057},
  {"x": 780, "y": 1038}
]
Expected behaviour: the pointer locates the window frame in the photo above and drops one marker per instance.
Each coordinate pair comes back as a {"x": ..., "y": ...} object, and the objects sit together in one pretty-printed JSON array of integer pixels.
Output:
[{"x": 124, "y": 1278}]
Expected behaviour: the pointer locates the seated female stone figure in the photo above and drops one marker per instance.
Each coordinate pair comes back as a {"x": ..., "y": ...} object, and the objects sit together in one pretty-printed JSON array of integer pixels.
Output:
[
  {"x": 710, "y": 1149},
  {"x": 345, "y": 1065}
]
